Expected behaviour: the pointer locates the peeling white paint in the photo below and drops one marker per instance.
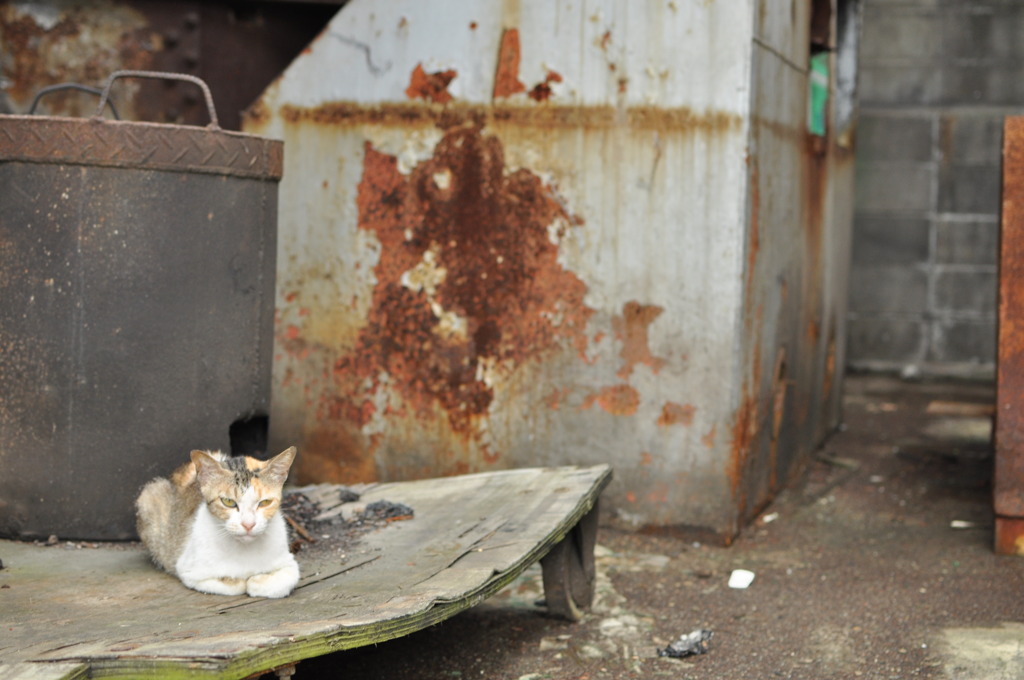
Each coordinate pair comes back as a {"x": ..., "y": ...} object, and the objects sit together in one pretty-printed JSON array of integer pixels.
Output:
[
  {"x": 427, "y": 275},
  {"x": 409, "y": 146},
  {"x": 369, "y": 46}
]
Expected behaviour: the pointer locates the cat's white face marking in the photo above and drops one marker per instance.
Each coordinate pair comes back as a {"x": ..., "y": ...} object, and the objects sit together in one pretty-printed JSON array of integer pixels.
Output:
[
  {"x": 245, "y": 520},
  {"x": 243, "y": 493},
  {"x": 196, "y": 523}
]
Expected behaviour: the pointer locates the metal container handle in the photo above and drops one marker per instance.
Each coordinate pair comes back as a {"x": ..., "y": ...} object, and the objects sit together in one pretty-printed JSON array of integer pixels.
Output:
[
  {"x": 69, "y": 86},
  {"x": 159, "y": 75}
]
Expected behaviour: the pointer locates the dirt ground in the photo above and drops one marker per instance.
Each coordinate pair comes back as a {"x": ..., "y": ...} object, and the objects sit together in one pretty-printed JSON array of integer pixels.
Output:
[{"x": 876, "y": 563}]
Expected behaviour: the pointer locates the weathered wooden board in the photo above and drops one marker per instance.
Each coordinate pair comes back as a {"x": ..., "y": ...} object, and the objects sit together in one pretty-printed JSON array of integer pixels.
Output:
[
  {"x": 44, "y": 671},
  {"x": 110, "y": 609}
]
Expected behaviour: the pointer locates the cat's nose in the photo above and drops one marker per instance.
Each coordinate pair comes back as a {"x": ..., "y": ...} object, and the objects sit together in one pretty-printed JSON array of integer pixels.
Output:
[{"x": 247, "y": 525}]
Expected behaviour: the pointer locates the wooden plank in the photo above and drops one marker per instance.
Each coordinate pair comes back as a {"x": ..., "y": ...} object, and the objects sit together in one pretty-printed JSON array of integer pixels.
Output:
[
  {"x": 471, "y": 535},
  {"x": 44, "y": 671}
]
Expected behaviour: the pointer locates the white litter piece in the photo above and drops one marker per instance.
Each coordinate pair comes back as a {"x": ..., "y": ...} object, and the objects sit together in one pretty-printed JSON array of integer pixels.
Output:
[
  {"x": 741, "y": 578},
  {"x": 962, "y": 524}
]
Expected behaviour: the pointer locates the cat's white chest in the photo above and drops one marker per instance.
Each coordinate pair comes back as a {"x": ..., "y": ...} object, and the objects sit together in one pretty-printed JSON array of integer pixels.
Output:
[{"x": 211, "y": 552}]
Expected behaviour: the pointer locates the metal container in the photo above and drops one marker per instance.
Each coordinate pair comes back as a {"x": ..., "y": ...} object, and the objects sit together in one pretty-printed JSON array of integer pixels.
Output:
[
  {"x": 543, "y": 233},
  {"x": 137, "y": 265}
]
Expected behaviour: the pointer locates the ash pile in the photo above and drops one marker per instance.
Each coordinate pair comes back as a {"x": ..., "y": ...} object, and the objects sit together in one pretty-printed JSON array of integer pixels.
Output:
[{"x": 334, "y": 517}]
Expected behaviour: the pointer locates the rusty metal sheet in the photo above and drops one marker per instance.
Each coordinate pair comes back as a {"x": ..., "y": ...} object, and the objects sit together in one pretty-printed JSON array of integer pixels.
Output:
[
  {"x": 238, "y": 48},
  {"x": 1009, "y": 431},
  {"x": 137, "y": 274},
  {"x": 1009, "y": 536},
  {"x": 533, "y": 238}
]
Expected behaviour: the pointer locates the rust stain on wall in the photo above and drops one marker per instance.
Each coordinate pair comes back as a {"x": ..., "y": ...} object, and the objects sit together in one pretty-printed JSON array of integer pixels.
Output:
[
  {"x": 101, "y": 41},
  {"x": 676, "y": 414},
  {"x": 468, "y": 282},
  {"x": 743, "y": 430},
  {"x": 632, "y": 330},
  {"x": 618, "y": 400},
  {"x": 506, "y": 79},
  {"x": 658, "y": 492},
  {"x": 754, "y": 241},
  {"x": 708, "y": 440},
  {"x": 745, "y": 423},
  {"x": 555, "y": 398},
  {"x": 815, "y": 184},
  {"x": 430, "y": 86},
  {"x": 780, "y": 388},
  {"x": 830, "y": 366},
  {"x": 1008, "y": 480},
  {"x": 541, "y": 92},
  {"x": 816, "y": 171},
  {"x": 332, "y": 455},
  {"x": 780, "y": 383},
  {"x": 813, "y": 330},
  {"x": 679, "y": 119}
]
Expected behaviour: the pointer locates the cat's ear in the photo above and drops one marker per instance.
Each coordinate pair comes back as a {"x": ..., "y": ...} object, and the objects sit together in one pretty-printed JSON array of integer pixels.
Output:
[
  {"x": 276, "y": 469},
  {"x": 207, "y": 467}
]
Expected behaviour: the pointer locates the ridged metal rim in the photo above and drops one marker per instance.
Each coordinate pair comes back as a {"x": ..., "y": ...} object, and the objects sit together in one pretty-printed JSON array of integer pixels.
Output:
[{"x": 126, "y": 144}]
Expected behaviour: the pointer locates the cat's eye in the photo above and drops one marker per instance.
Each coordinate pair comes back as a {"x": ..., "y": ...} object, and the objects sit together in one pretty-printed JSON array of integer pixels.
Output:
[
  {"x": 228, "y": 503},
  {"x": 265, "y": 502}
]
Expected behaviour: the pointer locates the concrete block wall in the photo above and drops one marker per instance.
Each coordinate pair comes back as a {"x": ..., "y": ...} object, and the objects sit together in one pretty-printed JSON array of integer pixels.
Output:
[{"x": 936, "y": 79}]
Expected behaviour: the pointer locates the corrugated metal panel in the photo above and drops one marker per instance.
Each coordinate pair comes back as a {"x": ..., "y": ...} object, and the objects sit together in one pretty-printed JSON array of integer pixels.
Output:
[
  {"x": 798, "y": 247},
  {"x": 526, "y": 234},
  {"x": 670, "y": 54}
]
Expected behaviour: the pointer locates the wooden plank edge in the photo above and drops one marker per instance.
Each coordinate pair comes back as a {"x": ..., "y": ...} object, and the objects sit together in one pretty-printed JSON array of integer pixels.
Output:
[
  {"x": 294, "y": 650},
  {"x": 44, "y": 670}
]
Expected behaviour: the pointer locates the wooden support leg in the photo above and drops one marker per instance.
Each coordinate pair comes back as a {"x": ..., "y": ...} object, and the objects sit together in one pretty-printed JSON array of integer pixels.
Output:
[
  {"x": 285, "y": 672},
  {"x": 569, "y": 571}
]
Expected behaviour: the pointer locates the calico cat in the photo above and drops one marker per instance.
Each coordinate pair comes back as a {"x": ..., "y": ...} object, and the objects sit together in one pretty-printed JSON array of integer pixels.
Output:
[{"x": 215, "y": 524}]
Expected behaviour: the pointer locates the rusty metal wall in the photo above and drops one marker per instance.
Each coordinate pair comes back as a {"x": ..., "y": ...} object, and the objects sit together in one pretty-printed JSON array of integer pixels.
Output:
[
  {"x": 1008, "y": 482},
  {"x": 237, "y": 48},
  {"x": 539, "y": 233},
  {"x": 798, "y": 247}
]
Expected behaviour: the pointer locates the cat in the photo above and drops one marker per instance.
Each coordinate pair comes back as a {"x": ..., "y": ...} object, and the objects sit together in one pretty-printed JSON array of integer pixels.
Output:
[{"x": 216, "y": 525}]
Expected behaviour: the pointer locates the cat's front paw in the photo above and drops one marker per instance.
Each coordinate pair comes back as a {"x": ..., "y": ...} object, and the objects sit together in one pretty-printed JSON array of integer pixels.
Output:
[
  {"x": 275, "y": 584},
  {"x": 218, "y": 586}
]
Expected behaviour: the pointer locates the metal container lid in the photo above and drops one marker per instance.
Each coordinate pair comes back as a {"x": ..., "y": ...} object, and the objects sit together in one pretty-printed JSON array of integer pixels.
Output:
[{"x": 98, "y": 141}]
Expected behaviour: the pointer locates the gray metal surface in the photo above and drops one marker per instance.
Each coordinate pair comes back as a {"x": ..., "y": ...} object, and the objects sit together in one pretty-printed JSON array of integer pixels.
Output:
[{"x": 137, "y": 279}]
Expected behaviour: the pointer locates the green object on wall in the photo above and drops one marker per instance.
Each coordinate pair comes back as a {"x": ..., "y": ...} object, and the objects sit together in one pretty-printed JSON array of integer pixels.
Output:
[{"x": 817, "y": 104}]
